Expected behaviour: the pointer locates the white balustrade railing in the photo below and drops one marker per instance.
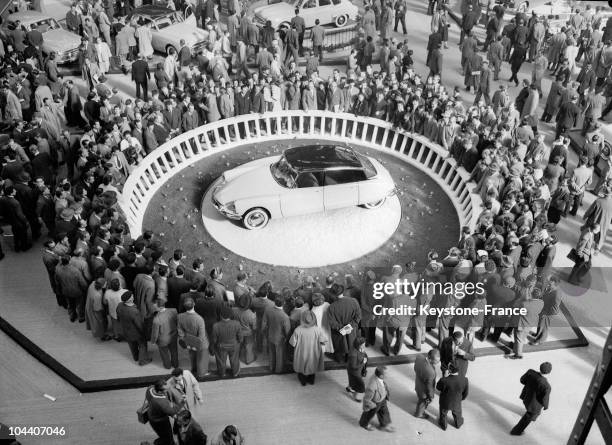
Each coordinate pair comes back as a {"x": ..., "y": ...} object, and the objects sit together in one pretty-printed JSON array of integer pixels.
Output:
[{"x": 188, "y": 148}]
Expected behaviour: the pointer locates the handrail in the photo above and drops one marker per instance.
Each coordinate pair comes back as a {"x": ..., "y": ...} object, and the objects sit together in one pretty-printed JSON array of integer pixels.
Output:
[
  {"x": 186, "y": 149},
  {"x": 335, "y": 38}
]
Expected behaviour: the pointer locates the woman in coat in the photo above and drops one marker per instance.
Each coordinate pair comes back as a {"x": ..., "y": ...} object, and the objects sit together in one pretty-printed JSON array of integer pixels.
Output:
[
  {"x": 386, "y": 22},
  {"x": 319, "y": 309},
  {"x": 553, "y": 101},
  {"x": 12, "y": 110},
  {"x": 584, "y": 250},
  {"x": 95, "y": 312},
  {"x": 143, "y": 32},
  {"x": 368, "y": 23},
  {"x": 308, "y": 339},
  {"x": 356, "y": 368},
  {"x": 103, "y": 55}
]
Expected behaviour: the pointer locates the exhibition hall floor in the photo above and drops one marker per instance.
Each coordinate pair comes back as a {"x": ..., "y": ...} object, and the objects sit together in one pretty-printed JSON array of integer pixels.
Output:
[{"x": 278, "y": 407}]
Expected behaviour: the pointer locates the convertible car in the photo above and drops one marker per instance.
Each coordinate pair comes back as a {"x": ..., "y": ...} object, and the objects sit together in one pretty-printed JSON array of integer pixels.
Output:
[{"x": 307, "y": 179}]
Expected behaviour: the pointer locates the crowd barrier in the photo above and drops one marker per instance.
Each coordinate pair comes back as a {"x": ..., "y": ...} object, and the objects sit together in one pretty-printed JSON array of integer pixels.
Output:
[
  {"x": 190, "y": 147},
  {"x": 335, "y": 38}
]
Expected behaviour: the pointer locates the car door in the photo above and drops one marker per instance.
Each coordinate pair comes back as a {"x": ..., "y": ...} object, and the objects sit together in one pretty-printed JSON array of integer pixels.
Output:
[
  {"x": 342, "y": 188},
  {"x": 325, "y": 12},
  {"x": 310, "y": 12},
  {"x": 190, "y": 17},
  {"x": 306, "y": 197}
]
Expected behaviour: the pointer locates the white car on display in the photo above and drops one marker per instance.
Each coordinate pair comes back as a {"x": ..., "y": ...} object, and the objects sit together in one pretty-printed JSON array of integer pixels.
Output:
[
  {"x": 336, "y": 12},
  {"x": 307, "y": 179},
  {"x": 62, "y": 42},
  {"x": 168, "y": 27}
]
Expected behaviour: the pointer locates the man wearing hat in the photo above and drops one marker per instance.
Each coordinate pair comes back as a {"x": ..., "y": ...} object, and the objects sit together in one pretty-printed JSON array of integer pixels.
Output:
[
  {"x": 226, "y": 339},
  {"x": 453, "y": 390},
  {"x": 375, "y": 402},
  {"x": 132, "y": 326},
  {"x": 535, "y": 396},
  {"x": 484, "y": 85},
  {"x": 567, "y": 116}
]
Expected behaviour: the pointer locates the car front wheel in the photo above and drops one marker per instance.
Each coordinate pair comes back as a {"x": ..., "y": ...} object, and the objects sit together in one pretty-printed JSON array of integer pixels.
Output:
[
  {"x": 168, "y": 49},
  {"x": 256, "y": 218},
  {"x": 341, "y": 21},
  {"x": 375, "y": 204}
]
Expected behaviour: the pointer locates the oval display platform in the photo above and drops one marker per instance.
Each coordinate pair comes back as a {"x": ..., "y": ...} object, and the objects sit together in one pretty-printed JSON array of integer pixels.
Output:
[
  {"x": 313, "y": 240},
  {"x": 317, "y": 244}
]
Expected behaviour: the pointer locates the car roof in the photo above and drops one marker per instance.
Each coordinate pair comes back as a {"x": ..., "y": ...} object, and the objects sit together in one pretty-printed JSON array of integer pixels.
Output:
[
  {"x": 27, "y": 16},
  {"x": 153, "y": 11},
  {"x": 321, "y": 157}
]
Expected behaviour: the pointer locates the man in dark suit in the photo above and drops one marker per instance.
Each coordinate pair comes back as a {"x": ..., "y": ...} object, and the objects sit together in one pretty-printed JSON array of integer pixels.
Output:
[
  {"x": 456, "y": 351},
  {"x": 144, "y": 292},
  {"x": 187, "y": 430},
  {"x": 276, "y": 327},
  {"x": 434, "y": 61},
  {"x": 425, "y": 380},
  {"x": 177, "y": 285},
  {"x": 499, "y": 296},
  {"x": 193, "y": 293},
  {"x": 342, "y": 312},
  {"x": 141, "y": 76},
  {"x": 51, "y": 260},
  {"x": 209, "y": 308},
  {"x": 242, "y": 101},
  {"x": 567, "y": 116},
  {"x": 300, "y": 26},
  {"x": 552, "y": 301},
  {"x": 226, "y": 339},
  {"x": 192, "y": 335},
  {"x": 535, "y": 395},
  {"x": 453, "y": 390},
  {"x": 13, "y": 212},
  {"x": 216, "y": 286},
  {"x": 133, "y": 328}
]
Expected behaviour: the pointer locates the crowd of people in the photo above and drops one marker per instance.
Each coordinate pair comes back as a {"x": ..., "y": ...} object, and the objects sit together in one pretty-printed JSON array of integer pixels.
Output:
[{"x": 64, "y": 161}]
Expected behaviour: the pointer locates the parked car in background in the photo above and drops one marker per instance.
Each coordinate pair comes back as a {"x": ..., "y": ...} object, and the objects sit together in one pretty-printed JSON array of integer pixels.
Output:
[
  {"x": 168, "y": 27},
  {"x": 307, "y": 179},
  {"x": 56, "y": 39},
  {"x": 336, "y": 12}
]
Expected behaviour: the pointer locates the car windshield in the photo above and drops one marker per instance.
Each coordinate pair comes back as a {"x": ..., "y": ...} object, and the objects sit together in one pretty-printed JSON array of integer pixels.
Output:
[
  {"x": 292, "y": 2},
  {"x": 283, "y": 173},
  {"x": 370, "y": 171},
  {"x": 44, "y": 25}
]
